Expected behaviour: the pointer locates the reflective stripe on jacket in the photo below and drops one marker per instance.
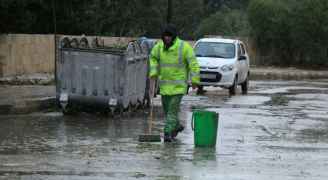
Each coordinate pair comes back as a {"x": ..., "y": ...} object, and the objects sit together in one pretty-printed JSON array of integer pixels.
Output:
[{"x": 173, "y": 66}]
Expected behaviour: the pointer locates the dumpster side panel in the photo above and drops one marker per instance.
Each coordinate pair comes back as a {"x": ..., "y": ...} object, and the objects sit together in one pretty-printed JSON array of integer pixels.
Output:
[
  {"x": 91, "y": 74},
  {"x": 110, "y": 78}
]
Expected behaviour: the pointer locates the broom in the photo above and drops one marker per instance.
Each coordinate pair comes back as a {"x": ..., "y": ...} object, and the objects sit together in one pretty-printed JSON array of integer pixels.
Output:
[{"x": 149, "y": 137}]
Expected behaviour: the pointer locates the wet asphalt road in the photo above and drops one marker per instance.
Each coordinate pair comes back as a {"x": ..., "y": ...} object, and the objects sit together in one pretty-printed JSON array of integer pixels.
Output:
[{"x": 278, "y": 131}]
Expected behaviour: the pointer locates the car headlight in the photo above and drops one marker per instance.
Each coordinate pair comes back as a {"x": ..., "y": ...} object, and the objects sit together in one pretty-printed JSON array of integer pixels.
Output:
[{"x": 226, "y": 68}]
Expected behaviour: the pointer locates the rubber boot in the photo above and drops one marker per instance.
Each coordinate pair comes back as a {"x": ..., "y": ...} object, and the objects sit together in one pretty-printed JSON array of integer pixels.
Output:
[
  {"x": 179, "y": 129},
  {"x": 168, "y": 137}
]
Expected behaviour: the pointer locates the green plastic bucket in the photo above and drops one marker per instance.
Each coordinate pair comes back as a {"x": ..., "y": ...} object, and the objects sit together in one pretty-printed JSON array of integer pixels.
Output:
[{"x": 205, "y": 125}]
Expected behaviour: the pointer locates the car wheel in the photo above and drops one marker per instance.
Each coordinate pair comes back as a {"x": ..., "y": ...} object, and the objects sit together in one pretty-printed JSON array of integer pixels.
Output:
[
  {"x": 244, "y": 86},
  {"x": 68, "y": 110},
  {"x": 233, "y": 88}
]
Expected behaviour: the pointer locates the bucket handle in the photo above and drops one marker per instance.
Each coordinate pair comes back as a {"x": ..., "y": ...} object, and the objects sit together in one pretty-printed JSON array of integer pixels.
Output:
[{"x": 192, "y": 121}]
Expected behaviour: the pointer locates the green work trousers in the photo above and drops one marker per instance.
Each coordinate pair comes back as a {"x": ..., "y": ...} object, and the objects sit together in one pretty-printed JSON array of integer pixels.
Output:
[{"x": 171, "y": 107}]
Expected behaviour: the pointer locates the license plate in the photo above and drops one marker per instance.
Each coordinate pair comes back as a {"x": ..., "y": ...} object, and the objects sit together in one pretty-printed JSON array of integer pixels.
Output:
[{"x": 208, "y": 76}]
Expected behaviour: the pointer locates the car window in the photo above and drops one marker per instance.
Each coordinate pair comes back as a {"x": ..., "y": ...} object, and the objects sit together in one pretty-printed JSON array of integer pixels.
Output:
[
  {"x": 243, "y": 51},
  {"x": 239, "y": 50},
  {"x": 215, "y": 49}
]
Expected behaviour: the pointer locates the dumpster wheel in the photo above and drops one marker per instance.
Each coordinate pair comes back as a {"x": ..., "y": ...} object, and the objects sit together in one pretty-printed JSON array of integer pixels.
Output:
[
  {"x": 68, "y": 110},
  {"x": 119, "y": 110}
]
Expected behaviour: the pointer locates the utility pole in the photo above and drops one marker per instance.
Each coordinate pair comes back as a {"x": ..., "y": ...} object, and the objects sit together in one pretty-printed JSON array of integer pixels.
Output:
[
  {"x": 54, "y": 15},
  {"x": 169, "y": 11}
]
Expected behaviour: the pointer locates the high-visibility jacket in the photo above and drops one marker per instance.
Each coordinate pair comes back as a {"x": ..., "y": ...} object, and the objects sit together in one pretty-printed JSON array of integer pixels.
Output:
[{"x": 173, "y": 66}]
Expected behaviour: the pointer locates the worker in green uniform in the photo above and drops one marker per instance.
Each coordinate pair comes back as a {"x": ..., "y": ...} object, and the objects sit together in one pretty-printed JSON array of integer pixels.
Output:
[{"x": 174, "y": 65}]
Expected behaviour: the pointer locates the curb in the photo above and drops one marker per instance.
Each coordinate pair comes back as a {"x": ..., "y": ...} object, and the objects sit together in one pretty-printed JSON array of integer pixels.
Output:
[
  {"x": 29, "y": 106},
  {"x": 33, "y": 79},
  {"x": 286, "y": 74}
]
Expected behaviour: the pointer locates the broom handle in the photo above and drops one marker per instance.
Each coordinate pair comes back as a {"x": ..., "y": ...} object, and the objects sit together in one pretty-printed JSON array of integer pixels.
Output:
[{"x": 151, "y": 105}]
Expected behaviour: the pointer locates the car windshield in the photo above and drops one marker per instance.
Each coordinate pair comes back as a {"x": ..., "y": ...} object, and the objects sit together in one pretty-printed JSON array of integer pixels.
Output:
[{"x": 215, "y": 49}]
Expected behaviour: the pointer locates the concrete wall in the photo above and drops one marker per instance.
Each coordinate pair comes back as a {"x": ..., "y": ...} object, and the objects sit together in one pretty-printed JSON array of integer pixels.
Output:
[
  {"x": 23, "y": 54},
  {"x": 26, "y": 54}
]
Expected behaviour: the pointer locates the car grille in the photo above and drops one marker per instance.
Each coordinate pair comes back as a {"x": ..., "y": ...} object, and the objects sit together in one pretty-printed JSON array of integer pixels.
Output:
[{"x": 210, "y": 76}]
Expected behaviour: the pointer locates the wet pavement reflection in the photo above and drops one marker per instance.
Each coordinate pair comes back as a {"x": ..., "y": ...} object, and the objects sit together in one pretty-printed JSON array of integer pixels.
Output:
[{"x": 278, "y": 131}]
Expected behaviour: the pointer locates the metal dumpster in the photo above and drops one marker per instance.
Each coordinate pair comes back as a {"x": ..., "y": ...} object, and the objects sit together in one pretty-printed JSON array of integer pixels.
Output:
[{"x": 110, "y": 77}]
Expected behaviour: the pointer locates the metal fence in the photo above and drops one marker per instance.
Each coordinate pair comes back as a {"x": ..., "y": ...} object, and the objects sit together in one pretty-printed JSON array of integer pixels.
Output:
[{"x": 92, "y": 74}]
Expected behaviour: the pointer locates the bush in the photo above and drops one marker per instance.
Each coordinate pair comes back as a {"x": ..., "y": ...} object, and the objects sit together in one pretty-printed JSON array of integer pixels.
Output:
[
  {"x": 224, "y": 22},
  {"x": 290, "y": 32}
]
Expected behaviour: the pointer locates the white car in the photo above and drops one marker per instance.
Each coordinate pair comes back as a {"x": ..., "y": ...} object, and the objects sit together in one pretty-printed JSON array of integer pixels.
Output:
[{"x": 223, "y": 63}]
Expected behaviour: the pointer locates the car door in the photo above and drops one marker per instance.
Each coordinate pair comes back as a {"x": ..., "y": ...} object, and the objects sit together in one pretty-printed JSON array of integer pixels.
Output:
[
  {"x": 244, "y": 50},
  {"x": 243, "y": 63}
]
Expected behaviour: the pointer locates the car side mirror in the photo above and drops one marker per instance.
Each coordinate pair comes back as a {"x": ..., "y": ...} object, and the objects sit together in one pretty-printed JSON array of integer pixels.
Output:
[{"x": 242, "y": 57}]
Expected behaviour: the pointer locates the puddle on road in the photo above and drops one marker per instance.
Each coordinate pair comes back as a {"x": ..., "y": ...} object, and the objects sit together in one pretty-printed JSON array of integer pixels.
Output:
[
  {"x": 278, "y": 83},
  {"x": 258, "y": 135},
  {"x": 293, "y": 90},
  {"x": 310, "y": 96},
  {"x": 277, "y": 100},
  {"x": 53, "y": 132},
  {"x": 247, "y": 100},
  {"x": 313, "y": 135}
]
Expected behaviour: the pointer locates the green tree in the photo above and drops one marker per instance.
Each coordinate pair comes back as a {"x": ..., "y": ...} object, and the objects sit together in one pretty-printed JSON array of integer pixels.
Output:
[
  {"x": 270, "y": 22},
  {"x": 290, "y": 32},
  {"x": 108, "y": 17},
  {"x": 311, "y": 32},
  {"x": 226, "y": 22},
  {"x": 187, "y": 16}
]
